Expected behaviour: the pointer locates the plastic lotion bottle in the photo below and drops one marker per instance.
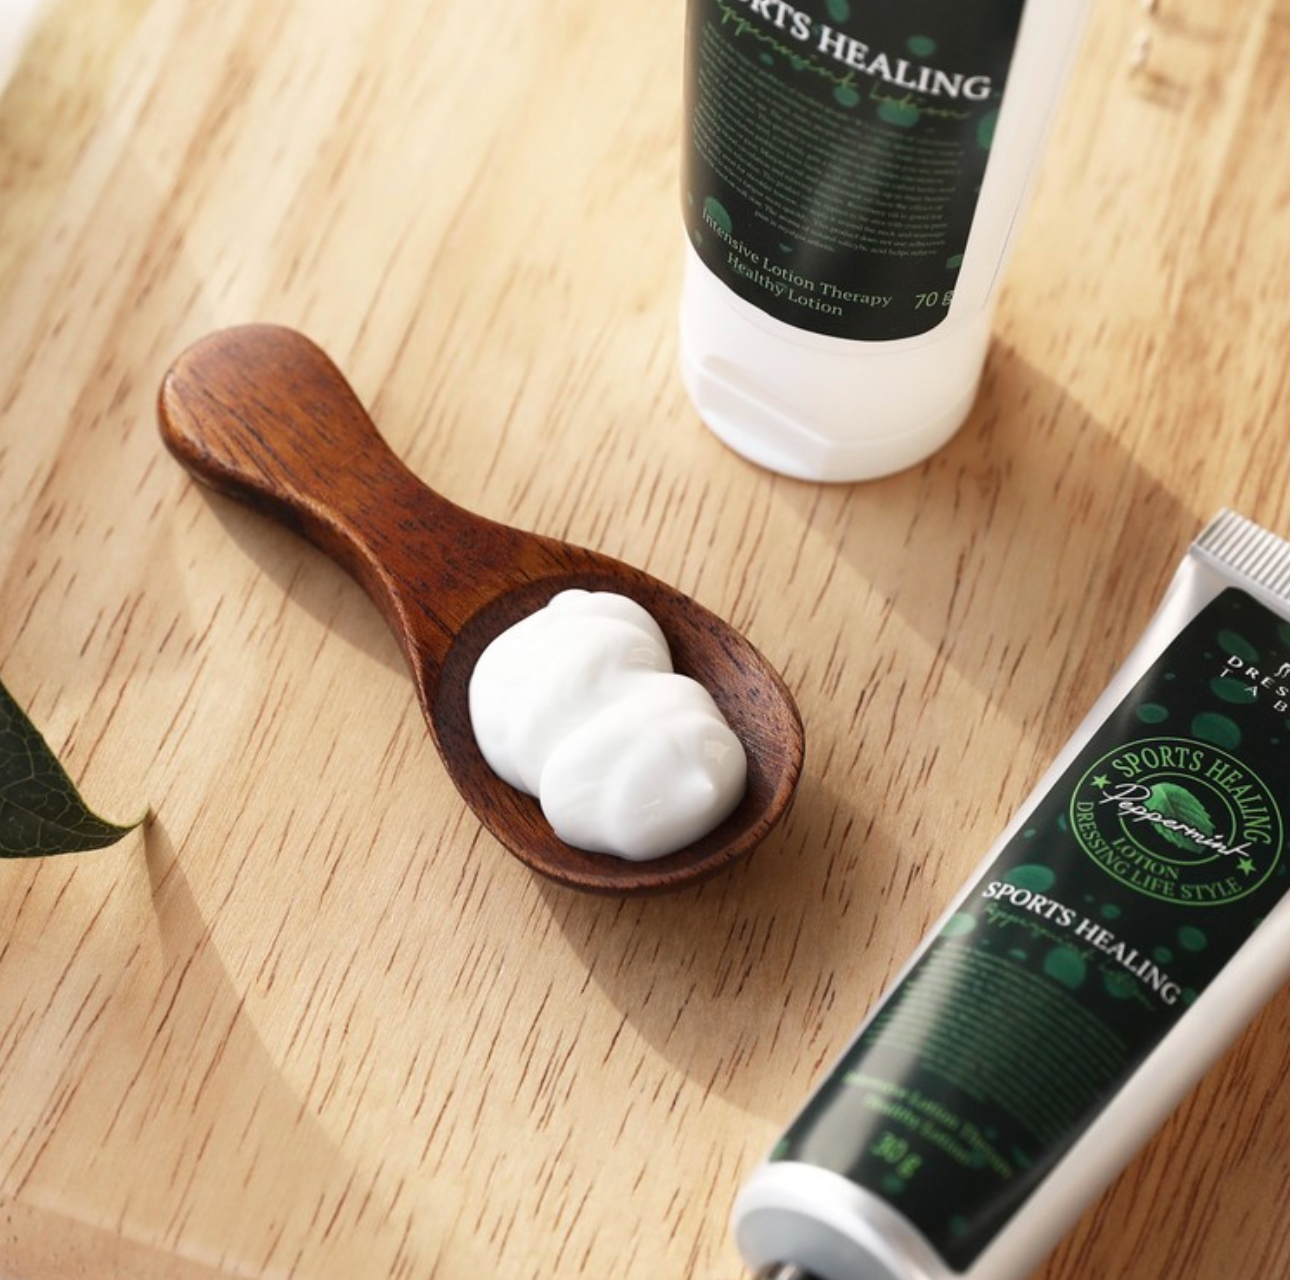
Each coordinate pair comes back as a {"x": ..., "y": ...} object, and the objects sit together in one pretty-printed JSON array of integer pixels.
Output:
[
  {"x": 854, "y": 173},
  {"x": 1129, "y": 922}
]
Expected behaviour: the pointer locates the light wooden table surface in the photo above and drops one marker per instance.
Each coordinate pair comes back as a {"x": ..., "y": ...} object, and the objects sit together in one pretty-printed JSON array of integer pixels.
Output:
[{"x": 312, "y": 1022}]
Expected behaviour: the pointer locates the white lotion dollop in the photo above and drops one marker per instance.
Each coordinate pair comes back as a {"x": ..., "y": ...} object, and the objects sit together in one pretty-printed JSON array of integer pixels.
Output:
[{"x": 578, "y": 705}]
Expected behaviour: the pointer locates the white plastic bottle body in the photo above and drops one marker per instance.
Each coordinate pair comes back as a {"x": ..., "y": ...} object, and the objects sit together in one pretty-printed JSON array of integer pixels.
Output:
[{"x": 821, "y": 407}]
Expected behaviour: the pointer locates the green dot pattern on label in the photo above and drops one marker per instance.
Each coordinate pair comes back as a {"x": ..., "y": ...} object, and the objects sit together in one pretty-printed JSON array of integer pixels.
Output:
[
  {"x": 985, "y": 130},
  {"x": 1066, "y": 965},
  {"x": 904, "y": 114},
  {"x": 719, "y": 214},
  {"x": 1221, "y": 730},
  {"x": 1119, "y": 986},
  {"x": 921, "y": 46},
  {"x": 1153, "y": 713},
  {"x": 1033, "y": 876},
  {"x": 1235, "y": 644},
  {"x": 1230, "y": 689}
]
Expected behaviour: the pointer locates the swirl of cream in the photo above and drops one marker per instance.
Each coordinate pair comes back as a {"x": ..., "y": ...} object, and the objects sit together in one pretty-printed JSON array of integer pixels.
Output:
[{"x": 578, "y": 705}]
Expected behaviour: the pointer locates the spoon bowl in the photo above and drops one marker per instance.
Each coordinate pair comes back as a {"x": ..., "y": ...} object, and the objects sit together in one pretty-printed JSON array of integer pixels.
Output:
[{"x": 261, "y": 414}]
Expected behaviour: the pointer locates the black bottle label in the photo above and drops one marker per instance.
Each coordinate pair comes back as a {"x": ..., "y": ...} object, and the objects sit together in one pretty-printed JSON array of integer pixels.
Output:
[{"x": 835, "y": 151}]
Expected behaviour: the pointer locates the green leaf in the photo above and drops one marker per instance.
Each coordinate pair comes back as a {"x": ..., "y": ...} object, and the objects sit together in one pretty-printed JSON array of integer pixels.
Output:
[
  {"x": 41, "y": 812},
  {"x": 1172, "y": 801}
]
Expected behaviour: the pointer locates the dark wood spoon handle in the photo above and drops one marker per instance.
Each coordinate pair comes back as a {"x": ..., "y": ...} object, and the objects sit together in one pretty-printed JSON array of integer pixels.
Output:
[{"x": 262, "y": 414}]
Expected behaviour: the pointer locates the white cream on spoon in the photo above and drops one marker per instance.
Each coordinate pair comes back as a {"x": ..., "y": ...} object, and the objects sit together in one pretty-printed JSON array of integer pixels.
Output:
[{"x": 578, "y": 705}]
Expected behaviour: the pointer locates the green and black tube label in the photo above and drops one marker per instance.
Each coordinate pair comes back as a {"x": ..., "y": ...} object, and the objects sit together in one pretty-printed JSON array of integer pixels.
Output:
[
  {"x": 1131, "y": 884},
  {"x": 835, "y": 151}
]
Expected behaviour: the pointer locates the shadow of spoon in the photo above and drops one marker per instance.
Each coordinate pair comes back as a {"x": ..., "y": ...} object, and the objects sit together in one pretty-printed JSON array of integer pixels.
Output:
[{"x": 260, "y": 413}]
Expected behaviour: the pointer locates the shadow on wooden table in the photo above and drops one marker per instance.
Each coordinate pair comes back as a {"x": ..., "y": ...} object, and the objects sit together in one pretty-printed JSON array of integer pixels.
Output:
[
  {"x": 1009, "y": 576},
  {"x": 1023, "y": 558},
  {"x": 308, "y": 579},
  {"x": 702, "y": 975},
  {"x": 177, "y": 1124},
  {"x": 997, "y": 585}
]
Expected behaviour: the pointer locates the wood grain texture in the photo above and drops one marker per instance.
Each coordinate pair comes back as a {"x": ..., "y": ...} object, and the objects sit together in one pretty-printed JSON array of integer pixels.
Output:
[{"x": 309, "y": 1023}]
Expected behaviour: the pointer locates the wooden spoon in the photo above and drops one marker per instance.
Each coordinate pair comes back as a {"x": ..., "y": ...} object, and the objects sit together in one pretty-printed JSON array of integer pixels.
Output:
[{"x": 262, "y": 414}]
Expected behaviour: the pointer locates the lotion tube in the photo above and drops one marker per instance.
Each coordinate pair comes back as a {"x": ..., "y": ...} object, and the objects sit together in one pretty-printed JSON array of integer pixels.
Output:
[
  {"x": 1129, "y": 923},
  {"x": 854, "y": 177}
]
